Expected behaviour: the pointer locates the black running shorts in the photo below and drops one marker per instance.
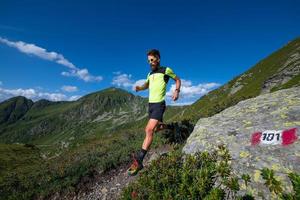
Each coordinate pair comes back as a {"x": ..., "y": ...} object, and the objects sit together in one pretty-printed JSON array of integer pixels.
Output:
[{"x": 156, "y": 110}]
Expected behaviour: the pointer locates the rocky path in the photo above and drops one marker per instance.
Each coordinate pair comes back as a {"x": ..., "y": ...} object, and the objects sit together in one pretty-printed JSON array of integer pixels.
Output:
[{"x": 111, "y": 184}]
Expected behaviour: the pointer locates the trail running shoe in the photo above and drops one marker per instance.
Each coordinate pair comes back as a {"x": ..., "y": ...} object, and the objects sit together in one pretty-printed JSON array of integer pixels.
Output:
[{"x": 135, "y": 167}]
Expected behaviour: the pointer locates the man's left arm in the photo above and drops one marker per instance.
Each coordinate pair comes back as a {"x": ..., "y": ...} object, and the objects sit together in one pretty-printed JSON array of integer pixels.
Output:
[
  {"x": 177, "y": 88},
  {"x": 171, "y": 74}
]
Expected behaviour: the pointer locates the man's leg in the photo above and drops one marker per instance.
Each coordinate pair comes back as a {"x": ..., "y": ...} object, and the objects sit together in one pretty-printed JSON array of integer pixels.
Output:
[
  {"x": 149, "y": 130},
  {"x": 156, "y": 112},
  {"x": 138, "y": 163}
]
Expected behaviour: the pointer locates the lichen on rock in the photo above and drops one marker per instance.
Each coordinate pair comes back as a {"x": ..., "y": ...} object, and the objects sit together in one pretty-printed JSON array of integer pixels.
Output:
[{"x": 234, "y": 127}]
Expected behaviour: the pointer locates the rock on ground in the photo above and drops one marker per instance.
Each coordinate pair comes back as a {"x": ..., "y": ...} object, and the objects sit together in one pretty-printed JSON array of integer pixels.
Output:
[{"x": 234, "y": 127}]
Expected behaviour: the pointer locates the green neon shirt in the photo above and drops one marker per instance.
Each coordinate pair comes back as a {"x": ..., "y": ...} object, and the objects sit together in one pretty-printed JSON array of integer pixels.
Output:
[{"x": 158, "y": 80}]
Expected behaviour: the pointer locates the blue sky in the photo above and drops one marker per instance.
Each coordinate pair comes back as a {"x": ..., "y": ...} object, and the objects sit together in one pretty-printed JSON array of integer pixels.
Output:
[{"x": 61, "y": 50}]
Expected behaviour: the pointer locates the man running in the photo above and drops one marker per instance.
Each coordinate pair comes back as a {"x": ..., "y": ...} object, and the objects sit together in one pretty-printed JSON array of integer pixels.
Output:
[{"x": 157, "y": 80}]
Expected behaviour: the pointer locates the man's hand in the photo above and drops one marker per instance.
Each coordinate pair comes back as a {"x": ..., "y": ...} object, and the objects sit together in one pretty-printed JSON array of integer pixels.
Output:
[
  {"x": 175, "y": 95},
  {"x": 138, "y": 88},
  {"x": 177, "y": 90},
  {"x": 143, "y": 87}
]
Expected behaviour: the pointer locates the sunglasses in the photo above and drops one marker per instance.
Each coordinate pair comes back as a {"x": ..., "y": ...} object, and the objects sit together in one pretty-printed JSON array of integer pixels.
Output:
[{"x": 151, "y": 60}]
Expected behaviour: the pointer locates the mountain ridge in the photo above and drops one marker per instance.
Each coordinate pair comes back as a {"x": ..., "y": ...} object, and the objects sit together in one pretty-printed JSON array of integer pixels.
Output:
[
  {"x": 283, "y": 64},
  {"x": 45, "y": 115}
]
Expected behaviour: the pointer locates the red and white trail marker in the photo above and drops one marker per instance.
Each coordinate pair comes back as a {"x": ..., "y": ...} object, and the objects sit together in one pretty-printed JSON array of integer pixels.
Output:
[{"x": 274, "y": 137}]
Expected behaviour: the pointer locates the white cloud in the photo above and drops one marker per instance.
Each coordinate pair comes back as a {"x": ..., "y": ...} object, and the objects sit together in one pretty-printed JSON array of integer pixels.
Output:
[
  {"x": 82, "y": 74},
  {"x": 123, "y": 80},
  {"x": 32, "y": 49},
  {"x": 190, "y": 93},
  {"x": 74, "y": 98},
  {"x": 188, "y": 90},
  {"x": 69, "y": 88},
  {"x": 34, "y": 95},
  {"x": 29, "y": 93},
  {"x": 52, "y": 96},
  {"x": 139, "y": 83}
]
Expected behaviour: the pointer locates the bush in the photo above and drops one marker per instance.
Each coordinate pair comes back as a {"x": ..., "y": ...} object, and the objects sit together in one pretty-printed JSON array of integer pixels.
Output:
[
  {"x": 275, "y": 186},
  {"x": 200, "y": 176},
  {"x": 178, "y": 132},
  {"x": 182, "y": 176}
]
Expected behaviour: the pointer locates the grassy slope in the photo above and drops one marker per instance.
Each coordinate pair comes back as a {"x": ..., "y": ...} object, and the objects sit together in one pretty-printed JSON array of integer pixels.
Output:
[
  {"x": 252, "y": 81},
  {"x": 27, "y": 172},
  {"x": 64, "y": 120},
  {"x": 13, "y": 109}
]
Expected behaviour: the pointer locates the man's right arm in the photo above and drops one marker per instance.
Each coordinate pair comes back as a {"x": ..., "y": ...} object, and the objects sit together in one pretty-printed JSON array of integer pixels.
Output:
[{"x": 143, "y": 87}]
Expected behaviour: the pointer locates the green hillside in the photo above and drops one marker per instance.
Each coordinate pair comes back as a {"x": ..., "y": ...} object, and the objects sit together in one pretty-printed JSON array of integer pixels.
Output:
[
  {"x": 280, "y": 70},
  {"x": 66, "y": 141},
  {"x": 48, "y": 122},
  {"x": 13, "y": 109}
]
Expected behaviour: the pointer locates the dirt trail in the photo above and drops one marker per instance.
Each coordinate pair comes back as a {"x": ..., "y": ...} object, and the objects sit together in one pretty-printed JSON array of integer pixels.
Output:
[{"x": 111, "y": 183}]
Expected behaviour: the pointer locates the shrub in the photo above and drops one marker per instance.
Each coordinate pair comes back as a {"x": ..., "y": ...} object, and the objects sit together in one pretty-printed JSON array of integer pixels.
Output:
[
  {"x": 183, "y": 176},
  {"x": 200, "y": 176}
]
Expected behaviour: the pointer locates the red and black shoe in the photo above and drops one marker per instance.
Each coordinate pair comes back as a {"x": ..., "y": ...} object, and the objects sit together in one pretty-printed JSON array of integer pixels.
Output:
[{"x": 135, "y": 167}]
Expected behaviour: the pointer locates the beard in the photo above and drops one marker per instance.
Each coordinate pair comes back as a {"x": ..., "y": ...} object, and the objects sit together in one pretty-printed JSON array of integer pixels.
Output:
[{"x": 154, "y": 66}]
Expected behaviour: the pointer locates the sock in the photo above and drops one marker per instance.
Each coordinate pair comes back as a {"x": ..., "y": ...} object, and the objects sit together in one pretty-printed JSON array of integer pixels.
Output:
[{"x": 142, "y": 154}]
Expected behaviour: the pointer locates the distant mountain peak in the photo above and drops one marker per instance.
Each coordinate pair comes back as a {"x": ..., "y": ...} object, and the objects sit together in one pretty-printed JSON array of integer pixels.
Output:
[
  {"x": 115, "y": 89},
  {"x": 14, "y": 108}
]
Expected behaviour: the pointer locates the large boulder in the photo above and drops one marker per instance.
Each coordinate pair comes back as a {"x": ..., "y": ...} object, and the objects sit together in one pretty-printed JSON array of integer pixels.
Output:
[{"x": 236, "y": 127}]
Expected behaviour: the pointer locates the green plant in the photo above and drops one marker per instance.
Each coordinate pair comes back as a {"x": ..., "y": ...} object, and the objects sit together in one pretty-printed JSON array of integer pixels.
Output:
[
  {"x": 275, "y": 185},
  {"x": 246, "y": 178},
  {"x": 202, "y": 175},
  {"x": 185, "y": 176}
]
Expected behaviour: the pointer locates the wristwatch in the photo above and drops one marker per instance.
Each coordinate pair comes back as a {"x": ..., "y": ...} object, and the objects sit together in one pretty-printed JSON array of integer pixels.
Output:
[{"x": 177, "y": 90}]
